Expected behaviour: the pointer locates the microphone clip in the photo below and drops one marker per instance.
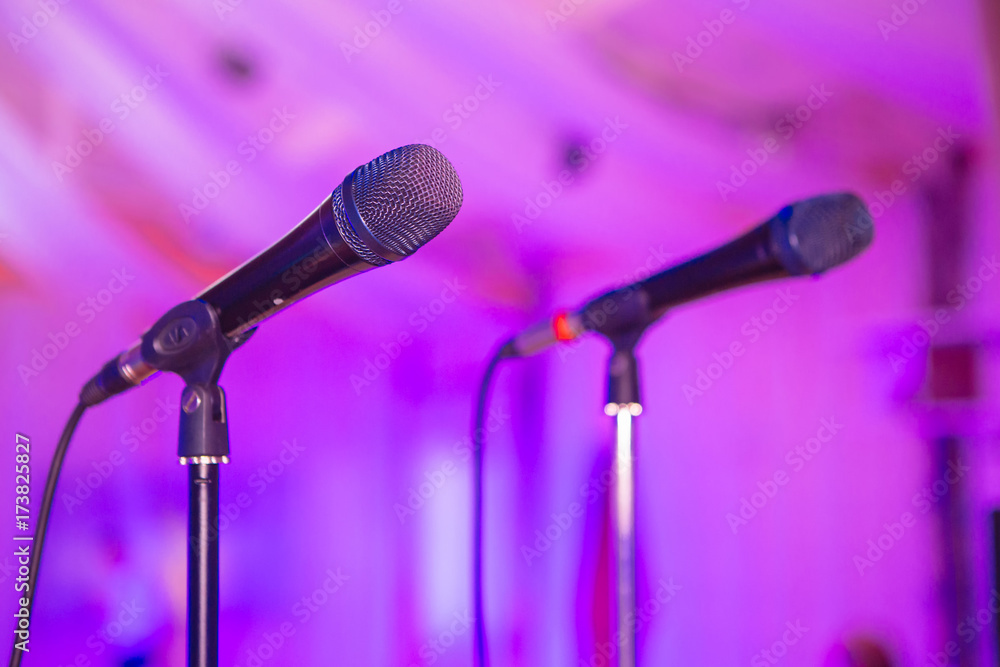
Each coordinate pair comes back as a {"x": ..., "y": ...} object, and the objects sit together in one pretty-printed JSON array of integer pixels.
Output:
[
  {"x": 621, "y": 316},
  {"x": 189, "y": 342}
]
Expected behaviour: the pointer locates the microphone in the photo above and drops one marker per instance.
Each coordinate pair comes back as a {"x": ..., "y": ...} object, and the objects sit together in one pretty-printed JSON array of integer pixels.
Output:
[
  {"x": 805, "y": 238},
  {"x": 382, "y": 212}
]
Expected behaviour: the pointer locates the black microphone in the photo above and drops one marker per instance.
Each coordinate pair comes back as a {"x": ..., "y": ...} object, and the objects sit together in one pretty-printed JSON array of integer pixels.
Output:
[
  {"x": 805, "y": 238},
  {"x": 382, "y": 212}
]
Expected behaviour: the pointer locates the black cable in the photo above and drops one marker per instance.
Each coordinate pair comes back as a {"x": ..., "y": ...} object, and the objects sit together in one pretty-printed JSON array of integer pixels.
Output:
[
  {"x": 43, "y": 517},
  {"x": 478, "y": 440}
]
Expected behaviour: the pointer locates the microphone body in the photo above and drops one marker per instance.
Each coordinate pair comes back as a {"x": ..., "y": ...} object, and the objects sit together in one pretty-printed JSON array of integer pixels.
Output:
[
  {"x": 806, "y": 238},
  {"x": 382, "y": 212},
  {"x": 313, "y": 255}
]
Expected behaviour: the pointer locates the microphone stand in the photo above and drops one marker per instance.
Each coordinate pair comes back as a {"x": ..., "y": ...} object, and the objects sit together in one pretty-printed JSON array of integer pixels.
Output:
[
  {"x": 188, "y": 341},
  {"x": 622, "y": 317},
  {"x": 624, "y": 405}
]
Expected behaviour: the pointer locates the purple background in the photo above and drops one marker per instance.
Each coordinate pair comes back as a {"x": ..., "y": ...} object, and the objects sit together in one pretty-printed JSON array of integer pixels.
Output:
[{"x": 558, "y": 76}]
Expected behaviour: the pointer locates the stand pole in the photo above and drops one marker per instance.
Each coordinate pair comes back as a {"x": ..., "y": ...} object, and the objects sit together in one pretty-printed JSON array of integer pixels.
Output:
[
  {"x": 203, "y": 565},
  {"x": 204, "y": 444},
  {"x": 624, "y": 523},
  {"x": 623, "y": 404}
]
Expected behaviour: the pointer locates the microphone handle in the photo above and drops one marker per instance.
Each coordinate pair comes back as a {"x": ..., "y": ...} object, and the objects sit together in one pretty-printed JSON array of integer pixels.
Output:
[
  {"x": 751, "y": 258},
  {"x": 754, "y": 257},
  {"x": 313, "y": 255},
  {"x": 308, "y": 258}
]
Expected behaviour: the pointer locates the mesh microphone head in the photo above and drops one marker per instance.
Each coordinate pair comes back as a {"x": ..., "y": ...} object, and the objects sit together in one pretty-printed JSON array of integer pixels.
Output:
[
  {"x": 817, "y": 234},
  {"x": 396, "y": 203}
]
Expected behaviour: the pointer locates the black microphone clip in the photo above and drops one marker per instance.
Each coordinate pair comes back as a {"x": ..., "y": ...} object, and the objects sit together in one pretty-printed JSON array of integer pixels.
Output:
[{"x": 177, "y": 342}]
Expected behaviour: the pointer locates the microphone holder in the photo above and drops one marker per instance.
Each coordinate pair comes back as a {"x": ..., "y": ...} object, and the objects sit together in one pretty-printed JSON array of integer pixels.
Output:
[{"x": 188, "y": 341}]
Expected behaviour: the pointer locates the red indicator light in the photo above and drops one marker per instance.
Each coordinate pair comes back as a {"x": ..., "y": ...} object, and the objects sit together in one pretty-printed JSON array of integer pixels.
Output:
[{"x": 561, "y": 327}]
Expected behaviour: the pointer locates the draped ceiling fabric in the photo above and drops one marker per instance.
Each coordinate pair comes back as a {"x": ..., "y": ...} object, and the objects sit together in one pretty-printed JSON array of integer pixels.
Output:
[{"x": 147, "y": 148}]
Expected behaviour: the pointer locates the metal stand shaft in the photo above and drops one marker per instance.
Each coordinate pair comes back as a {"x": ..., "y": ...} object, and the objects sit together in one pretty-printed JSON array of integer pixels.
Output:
[
  {"x": 203, "y": 566},
  {"x": 623, "y": 404},
  {"x": 624, "y": 526}
]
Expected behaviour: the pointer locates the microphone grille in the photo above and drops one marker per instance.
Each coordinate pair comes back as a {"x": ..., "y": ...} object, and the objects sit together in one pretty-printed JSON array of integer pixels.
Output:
[
  {"x": 820, "y": 233},
  {"x": 405, "y": 198}
]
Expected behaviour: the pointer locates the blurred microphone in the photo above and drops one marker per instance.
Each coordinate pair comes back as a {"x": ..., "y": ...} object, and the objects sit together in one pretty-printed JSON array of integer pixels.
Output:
[
  {"x": 382, "y": 212},
  {"x": 806, "y": 238}
]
